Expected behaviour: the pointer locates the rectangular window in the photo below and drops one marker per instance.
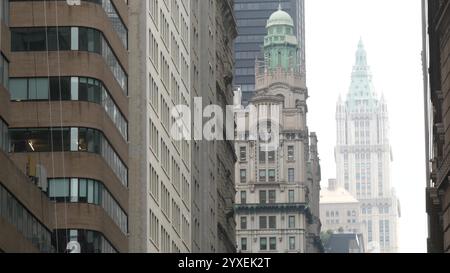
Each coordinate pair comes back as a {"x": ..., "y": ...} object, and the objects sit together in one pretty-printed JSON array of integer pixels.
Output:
[
  {"x": 271, "y": 175},
  {"x": 38, "y": 89},
  {"x": 243, "y": 197},
  {"x": 262, "y": 156},
  {"x": 271, "y": 156},
  {"x": 74, "y": 88},
  {"x": 273, "y": 243},
  {"x": 262, "y": 175},
  {"x": 244, "y": 244},
  {"x": 60, "y": 88},
  {"x": 272, "y": 196},
  {"x": 90, "y": 192},
  {"x": 74, "y": 190},
  {"x": 262, "y": 243},
  {"x": 74, "y": 140},
  {"x": 291, "y": 196},
  {"x": 74, "y": 45},
  {"x": 272, "y": 222},
  {"x": 59, "y": 189},
  {"x": 263, "y": 222},
  {"x": 291, "y": 223},
  {"x": 83, "y": 190},
  {"x": 244, "y": 222},
  {"x": 243, "y": 176},
  {"x": 291, "y": 153},
  {"x": 291, "y": 175},
  {"x": 291, "y": 243},
  {"x": 262, "y": 197},
  {"x": 18, "y": 89}
]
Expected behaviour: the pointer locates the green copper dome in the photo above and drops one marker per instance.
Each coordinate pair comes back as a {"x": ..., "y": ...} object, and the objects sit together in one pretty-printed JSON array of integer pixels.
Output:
[
  {"x": 280, "y": 17},
  {"x": 280, "y": 44}
]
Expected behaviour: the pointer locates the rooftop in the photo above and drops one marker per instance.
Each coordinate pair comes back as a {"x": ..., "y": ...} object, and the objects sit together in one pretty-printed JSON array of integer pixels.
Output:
[
  {"x": 280, "y": 17},
  {"x": 337, "y": 196}
]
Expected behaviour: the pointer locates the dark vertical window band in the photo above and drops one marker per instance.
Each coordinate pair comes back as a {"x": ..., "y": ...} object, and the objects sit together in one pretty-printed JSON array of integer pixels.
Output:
[
  {"x": 4, "y": 11},
  {"x": 69, "y": 38},
  {"x": 43, "y": 140},
  {"x": 90, "y": 241},
  {"x": 26, "y": 223},
  {"x": 4, "y": 136},
  {"x": 4, "y": 71},
  {"x": 72, "y": 88}
]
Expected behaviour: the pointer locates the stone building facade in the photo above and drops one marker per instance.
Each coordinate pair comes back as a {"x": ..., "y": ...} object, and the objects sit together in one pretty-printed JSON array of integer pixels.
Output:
[
  {"x": 339, "y": 210},
  {"x": 436, "y": 52},
  {"x": 278, "y": 171},
  {"x": 363, "y": 156},
  {"x": 213, "y": 30}
]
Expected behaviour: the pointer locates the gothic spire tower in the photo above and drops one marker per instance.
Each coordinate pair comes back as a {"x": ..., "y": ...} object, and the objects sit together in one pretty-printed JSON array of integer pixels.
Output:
[{"x": 363, "y": 156}]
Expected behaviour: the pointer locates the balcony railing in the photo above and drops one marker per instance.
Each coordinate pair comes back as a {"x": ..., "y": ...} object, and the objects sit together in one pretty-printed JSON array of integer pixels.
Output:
[{"x": 265, "y": 77}]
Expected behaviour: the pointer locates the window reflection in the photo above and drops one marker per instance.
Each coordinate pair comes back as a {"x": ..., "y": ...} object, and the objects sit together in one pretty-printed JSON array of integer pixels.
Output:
[
  {"x": 69, "y": 38},
  {"x": 4, "y": 71},
  {"x": 89, "y": 191},
  {"x": 26, "y": 223},
  {"x": 67, "y": 139},
  {"x": 66, "y": 89},
  {"x": 90, "y": 241}
]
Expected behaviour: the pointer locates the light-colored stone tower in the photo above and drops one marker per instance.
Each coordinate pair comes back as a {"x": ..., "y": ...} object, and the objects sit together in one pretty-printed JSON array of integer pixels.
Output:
[
  {"x": 278, "y": 172},
  {"x": 160, "y": 166},
  {"x": 363, "y": 157}
]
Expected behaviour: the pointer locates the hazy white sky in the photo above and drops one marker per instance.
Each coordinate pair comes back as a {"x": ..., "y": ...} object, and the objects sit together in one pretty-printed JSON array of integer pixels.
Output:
[{"x": 391, "y": 30}]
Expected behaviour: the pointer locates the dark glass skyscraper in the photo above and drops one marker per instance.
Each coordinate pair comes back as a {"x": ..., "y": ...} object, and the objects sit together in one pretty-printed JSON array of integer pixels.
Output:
[{"x": 252, "y": 16}]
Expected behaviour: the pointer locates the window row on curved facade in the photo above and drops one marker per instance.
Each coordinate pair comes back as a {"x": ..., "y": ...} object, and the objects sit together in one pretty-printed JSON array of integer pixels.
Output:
[
  {"x": 4, "y": 11},
  {"x": 4, "y": 71},
  {"x": 111, "y": 13},
  {"x": 66, "y": 39},
  {"x": 28, "y": 140},
  {"x": 90, "y": 241},
  {"x": 66, "y": 89},
  {"x": 80, "y": 190},
  {"x": 116, "y": 21},
  {"x": 29, "y": 226}
]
